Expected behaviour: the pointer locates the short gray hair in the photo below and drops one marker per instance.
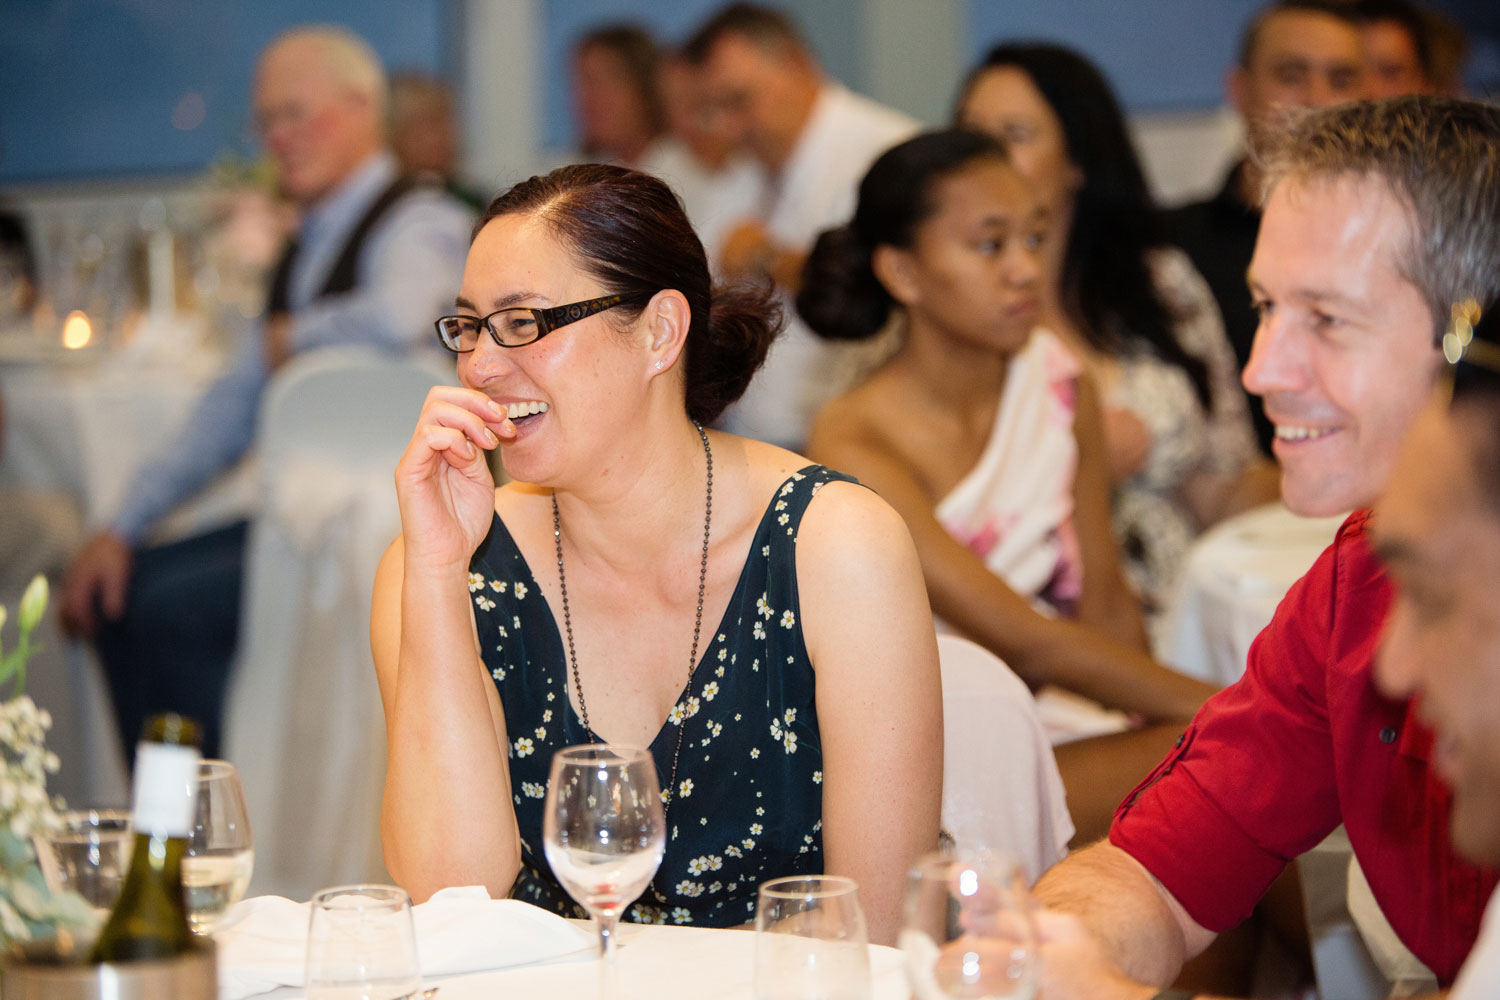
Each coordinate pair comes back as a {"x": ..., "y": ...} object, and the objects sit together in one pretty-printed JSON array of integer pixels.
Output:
[
  {"x": 1439, "y": 156},
  {"x": 348, "y": 57}
]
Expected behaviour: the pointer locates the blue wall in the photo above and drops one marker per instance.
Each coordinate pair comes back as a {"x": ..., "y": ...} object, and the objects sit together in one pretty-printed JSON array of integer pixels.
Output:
[
  {"x": 1173, "y": 59},
  {"x": 90, "y": 86}
]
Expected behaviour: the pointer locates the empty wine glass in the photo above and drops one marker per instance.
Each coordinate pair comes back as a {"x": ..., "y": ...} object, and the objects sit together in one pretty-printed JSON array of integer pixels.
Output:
[
  {"x": 362, "y": 945},
  {"x": 968, "y": 931},
  {"x": 220, "y": 856},
  {"x": 811, "y": 942},
  {"x": 604, "y": 834}
]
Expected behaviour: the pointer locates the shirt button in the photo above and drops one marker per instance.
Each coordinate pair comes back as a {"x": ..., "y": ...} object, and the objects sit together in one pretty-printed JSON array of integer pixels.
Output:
[
  {"x": 1180, "y": 738},
  {"x": 1388, "y": 735}
]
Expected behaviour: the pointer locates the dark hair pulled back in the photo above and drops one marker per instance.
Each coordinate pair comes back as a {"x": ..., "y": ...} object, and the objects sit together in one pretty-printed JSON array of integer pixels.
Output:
[
  {"x": 841, "y": 299},
  {"x": 628, "y": 230},
  {"x": 1108, "y": 289}
]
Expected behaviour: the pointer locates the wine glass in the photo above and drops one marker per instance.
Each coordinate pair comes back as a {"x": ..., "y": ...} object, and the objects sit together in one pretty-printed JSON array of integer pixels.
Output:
[
  {"x": 604, "y": 833},
  {"x": 811, "y": 942},
  {"x": 88, "y": 854},
  {"x": 968, "y": 931},
  {"x": 220, "y": 858},
  {"x": 362, "y": 945}
]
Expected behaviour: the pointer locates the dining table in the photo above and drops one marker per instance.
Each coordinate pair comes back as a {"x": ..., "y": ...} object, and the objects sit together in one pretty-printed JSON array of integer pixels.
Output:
[
  {"x": 78, "y": 423},
  {"x": 652, "y": 963}
]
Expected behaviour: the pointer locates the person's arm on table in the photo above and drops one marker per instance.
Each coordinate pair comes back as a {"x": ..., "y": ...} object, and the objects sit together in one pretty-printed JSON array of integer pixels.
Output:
[
  {"x": 966, "y": 595},
  {"x": 446, "y": 818},
  {"x": 216, "y": 434},
  {"x": 409, "y": 273},
  {"x": 879, "y": 696},
  {"x": 1140, "y": 927}
]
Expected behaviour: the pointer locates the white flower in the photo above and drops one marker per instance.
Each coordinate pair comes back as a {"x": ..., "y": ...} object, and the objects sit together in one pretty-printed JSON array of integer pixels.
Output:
[
  {"x": 715, "y": 862},
  {"x": 754, "y": 752},
  {"x": 476, "y": 582},
  {"x": 764, "y": 608},
  {"x": 776, "y": 729},
  {"x": 781, "y": 505},
  {"x": 693, "y": 704},
  {"x": 765, "y": 550},
  {"x": 541, "y": 732},
  {"x": 788, "y": 619},
  {"x": 533, "y": 790},
  {"x": 817, "y": 777},
  {"x": 733, "y": 851},
  {"x": 547, "y": 715},
  {"x": 790, "y": 715},
  {"x": 685, "y": 788},
  {"x": 689, "y": 889},
  {"x": 498, "y": 586},
  {"x": 484, "y": 603},
  {"x": 783, "y": 517},
  {"x": 790, "y": 742},
  {"x": 756, "y": 829},
  {"x": 748, "y": 843},
  {"x": 758, "y": 631},
  {"x": 681, "y": 915},
  {"x": 760, "y": 810},
  {"x": 698, "y": 866},
  {"x": 677, "y": 714},
  {"x": 523, "y": 747},
  {"x": 498, "y": 673},
  {"x": 520, "y": 590},
  {"x": 723, "y": 654}
]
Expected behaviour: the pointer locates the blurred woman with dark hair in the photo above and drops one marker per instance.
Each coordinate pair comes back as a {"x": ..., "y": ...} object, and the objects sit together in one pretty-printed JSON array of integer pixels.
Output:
[
  {"x": 1181, "y": 450},
  {"x": 984, "y": 434},
  {"x": 804, "y": 734},
  {"x": 618, "y": 108}
]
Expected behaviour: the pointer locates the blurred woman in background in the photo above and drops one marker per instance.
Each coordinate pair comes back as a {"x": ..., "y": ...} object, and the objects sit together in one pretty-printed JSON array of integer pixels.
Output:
[{"x": 1181, "y": 452}]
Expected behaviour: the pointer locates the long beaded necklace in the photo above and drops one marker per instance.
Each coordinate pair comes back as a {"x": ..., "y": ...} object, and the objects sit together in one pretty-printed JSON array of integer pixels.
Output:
[{"x": 562, "y": 583}]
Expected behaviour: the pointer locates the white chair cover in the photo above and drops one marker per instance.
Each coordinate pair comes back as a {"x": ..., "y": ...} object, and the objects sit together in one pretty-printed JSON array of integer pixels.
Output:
[
  {"x": 1001, "y": 789},
  {"x": 304, "y": 722}
]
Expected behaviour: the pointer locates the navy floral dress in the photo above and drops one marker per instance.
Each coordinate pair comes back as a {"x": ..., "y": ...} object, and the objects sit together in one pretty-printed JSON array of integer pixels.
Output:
[{"x": 748, "y": 804}]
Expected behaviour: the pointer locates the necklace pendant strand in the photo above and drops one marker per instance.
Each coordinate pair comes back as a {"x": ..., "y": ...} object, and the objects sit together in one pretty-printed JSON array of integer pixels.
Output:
[{"x": 562, "y": 585}]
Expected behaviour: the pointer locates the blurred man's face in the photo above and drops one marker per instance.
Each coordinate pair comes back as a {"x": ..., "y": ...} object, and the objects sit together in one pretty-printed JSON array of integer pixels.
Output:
[
  {"x": 1439, "y": 535},
  {"x": 1344, "y": 355},
  {"x": 613, "y": 118},
  {"x": 425, "y": 138},
  {"x": 317, "y": 129},
  {"x": 760, "y": 97},
  {"x": 1392, "y": 66},
  {"x": 1302, "y": 59}
]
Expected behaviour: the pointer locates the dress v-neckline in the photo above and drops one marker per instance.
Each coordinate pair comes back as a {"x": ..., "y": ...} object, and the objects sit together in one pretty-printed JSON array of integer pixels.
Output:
[{"x": 735, "y": 597}]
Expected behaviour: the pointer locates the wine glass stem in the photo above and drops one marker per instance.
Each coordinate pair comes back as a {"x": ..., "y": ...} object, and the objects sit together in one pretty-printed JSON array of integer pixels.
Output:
[{"x": 607, "y": 982}]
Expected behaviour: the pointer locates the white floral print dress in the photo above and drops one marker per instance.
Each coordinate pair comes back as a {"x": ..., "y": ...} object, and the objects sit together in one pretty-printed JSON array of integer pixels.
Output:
[{"x": 748, "y": 801}]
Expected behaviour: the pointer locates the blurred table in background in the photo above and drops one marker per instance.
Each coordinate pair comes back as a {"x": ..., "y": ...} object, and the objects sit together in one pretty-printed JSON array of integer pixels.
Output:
[
  {"x": 1232, "y": 580},
  {"x": 77, "y": 425}
]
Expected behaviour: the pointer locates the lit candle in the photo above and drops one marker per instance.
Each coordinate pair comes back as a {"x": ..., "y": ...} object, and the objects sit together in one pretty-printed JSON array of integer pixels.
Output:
[{"x": 76, "y": 332}]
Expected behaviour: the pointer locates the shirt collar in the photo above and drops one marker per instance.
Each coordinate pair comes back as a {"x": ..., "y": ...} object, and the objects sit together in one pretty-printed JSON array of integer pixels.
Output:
[{"x": 358, "y": 190}]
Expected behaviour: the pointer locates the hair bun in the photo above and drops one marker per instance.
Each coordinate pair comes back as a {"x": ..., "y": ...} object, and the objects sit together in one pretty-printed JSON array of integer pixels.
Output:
[{"x": 840, "y": 298}]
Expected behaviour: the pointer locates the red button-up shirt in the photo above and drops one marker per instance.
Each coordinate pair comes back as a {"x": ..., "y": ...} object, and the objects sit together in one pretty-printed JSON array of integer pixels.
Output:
[{"x": 1304, "y": 741}]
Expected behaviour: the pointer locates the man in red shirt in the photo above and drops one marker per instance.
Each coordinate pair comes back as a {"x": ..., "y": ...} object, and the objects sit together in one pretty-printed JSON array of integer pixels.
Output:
[{"x": 1378, "y": 217}]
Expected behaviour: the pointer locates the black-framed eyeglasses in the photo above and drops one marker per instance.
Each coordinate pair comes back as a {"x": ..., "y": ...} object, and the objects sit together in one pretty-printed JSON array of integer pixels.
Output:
[{"x": 517, "y": 326}]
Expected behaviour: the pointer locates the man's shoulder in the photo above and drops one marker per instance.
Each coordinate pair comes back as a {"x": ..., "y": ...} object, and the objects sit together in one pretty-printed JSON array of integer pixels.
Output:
[{"x": 878, "y": 124}]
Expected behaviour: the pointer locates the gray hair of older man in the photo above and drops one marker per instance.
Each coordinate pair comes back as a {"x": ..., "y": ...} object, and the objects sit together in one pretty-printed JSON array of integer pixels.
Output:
[
  {"x": 347, "y": 56},
  {"x": 1439, "y": 156}
]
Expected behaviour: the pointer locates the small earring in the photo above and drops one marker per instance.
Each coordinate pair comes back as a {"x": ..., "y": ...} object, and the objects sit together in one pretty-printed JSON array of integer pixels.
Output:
[{"x": 660, "y": 365}]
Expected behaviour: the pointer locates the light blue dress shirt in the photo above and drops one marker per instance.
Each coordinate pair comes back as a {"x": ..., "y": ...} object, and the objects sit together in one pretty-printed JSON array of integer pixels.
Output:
[{"x": 408, "y": 274}]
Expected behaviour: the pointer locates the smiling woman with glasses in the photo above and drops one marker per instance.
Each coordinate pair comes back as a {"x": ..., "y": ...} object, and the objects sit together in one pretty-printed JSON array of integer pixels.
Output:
[{"x": 644, "y": 580}]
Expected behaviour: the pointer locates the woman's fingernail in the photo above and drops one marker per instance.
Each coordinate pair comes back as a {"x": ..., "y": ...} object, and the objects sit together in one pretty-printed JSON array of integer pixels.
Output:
[
  {"x": 491, "y": 436},
  {"x": 496, "y": 408}
]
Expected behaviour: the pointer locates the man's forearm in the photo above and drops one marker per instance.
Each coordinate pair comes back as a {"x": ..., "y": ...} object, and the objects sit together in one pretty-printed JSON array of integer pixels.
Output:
[{"x": 1125, "y": 909}]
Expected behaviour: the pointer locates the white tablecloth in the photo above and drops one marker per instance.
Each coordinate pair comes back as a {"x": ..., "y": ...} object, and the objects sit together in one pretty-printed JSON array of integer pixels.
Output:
[
  {"x": 659, "y": 963},
  {"x": 78, "y": 424},
  {"x": 1231, "y": 583}
]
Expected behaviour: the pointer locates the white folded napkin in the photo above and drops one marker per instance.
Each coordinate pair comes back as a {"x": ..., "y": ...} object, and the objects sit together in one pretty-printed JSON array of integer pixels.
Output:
[{"x": 262, "y": 944}]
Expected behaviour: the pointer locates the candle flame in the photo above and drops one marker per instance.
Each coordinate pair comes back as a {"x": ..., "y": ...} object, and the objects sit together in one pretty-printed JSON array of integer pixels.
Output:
[{"x": 77, "y": 332}]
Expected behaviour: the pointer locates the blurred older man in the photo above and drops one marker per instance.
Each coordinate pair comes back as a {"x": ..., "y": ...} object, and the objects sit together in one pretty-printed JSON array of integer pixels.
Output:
[
  {"x": 375, "y": 259},
  {"x": 1398, "y": 48},
  {"x": 815, "y": 139},
  {"x": 1379, "y": 216},
  {"x": 1294, "y": 54}
]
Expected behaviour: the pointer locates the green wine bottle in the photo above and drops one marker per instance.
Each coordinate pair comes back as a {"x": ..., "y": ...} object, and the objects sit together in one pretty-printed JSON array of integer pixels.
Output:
[{"x": 150, "y": 919}]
